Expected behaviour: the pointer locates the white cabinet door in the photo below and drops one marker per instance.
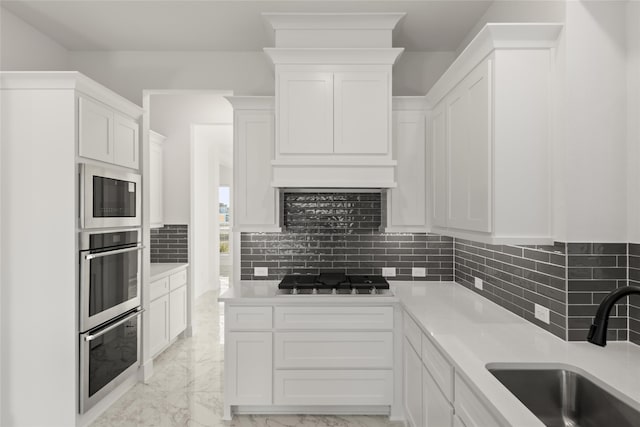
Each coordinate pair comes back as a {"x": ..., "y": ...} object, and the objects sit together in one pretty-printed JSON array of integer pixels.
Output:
[
  {"x": 361, "y": 112},
  {"x": 156, "y": 185},
  {"x": 436, "y": 410},
  {"x": 95, "y": 130},
  {"x": 439, "y": 161},
  {"x": 158, "y": 324},
  {"x": 248, "y": 368},
  {"x": 469, "y": 116},
  {"x": 412, "y": 386},
  {"x": 471, "y": 410},
  {"x": 255, "y": 198},
  {"x": 305, "y": 112},
  {"x": 126, "y": 142},
  {"x": 409, "y": 199},
  {"x": 177, "y": 311}
]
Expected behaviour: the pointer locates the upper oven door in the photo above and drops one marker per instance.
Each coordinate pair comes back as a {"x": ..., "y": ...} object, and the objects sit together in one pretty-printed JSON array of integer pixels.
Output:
[
  {"x": 109, "y": 198},
  {"x": 109, "y": 276}
]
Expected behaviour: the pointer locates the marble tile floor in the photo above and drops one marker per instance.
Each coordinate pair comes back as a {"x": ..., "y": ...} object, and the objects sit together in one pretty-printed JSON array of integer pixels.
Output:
[{"x": 186, "y": 389}]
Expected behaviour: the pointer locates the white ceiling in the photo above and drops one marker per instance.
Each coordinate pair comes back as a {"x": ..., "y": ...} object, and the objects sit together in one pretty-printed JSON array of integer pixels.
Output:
[{"x": 229, "y": 25}]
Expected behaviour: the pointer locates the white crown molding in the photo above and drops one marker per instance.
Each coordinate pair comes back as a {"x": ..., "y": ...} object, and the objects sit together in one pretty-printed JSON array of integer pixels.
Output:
[
  {"x": 494, "y": 37},
  {"x": 252, "y": 102},
  {"x": 409, "y": 103},
  {"x": 334, "y": 56},
  {"x": 72, "y": 80},
  {"x": 333, "y": 21}
]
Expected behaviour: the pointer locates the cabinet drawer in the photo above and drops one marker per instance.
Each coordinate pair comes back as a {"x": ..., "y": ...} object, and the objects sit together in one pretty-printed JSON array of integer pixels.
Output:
[
  {"x": 341, "y": 318},
  {"x": 471, "y": 410},
  {"x": 329, "y": 387},
  {"x": 178, "y": 279},
  {"x": 158, "y": 288},
  {"x": 334, "y": 350},
  {"x": 438, "y": 366},
  {"x": 254, "y": 318},
  {"x": 412, "y": 332}
]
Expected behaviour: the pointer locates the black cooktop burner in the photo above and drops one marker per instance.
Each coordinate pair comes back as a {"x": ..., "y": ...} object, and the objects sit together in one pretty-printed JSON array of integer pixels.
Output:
[{"x": 328, "y": 282}]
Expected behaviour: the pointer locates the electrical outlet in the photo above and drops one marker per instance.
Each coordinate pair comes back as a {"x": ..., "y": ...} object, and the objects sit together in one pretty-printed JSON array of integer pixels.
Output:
[
  {"x": 542, "y": 313},
  {"x": 261, "y": 271},
  {"x": 389, "y": 271},
  {"x": 419, "y": 272},
  {"x": 477, "y": 283}
]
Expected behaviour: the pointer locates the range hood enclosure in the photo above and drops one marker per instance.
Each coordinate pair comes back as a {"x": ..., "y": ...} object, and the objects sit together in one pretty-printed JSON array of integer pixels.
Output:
[{"x": 333, "y": 100}]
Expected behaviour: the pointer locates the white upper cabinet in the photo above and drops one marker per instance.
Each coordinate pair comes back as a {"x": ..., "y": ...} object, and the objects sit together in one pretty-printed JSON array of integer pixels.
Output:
[
  {"x": 95, "y": 130},
  {"x": 333, "y": 99},
  {"x": 491, "y": 137},
  {"x": 126, "y": 142},
  {"x": 255, "y": 200},
  {"x": 106, "y": 135},
  {"x": 407, "y": 203},
  {"x": 156, "y": 185},
  {"x": 361, "y": 112},
  {"x": 306, "y": 112}
]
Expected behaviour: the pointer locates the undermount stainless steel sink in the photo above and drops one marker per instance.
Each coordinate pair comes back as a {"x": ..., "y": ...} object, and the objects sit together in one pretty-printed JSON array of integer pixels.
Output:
[{"x": 563, "y": 398}]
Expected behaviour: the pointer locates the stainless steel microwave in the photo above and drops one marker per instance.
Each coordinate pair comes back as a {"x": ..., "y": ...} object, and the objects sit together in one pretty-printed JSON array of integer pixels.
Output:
[{"x": 109, "y": 198}]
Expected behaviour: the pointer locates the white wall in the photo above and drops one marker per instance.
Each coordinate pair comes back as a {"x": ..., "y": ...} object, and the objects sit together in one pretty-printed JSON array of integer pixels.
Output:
[
  {"x": 245, "y": 73},
  {"x": 206, "y": 166},
  {"x": 24, "y": 48},
  {"x": 226, "y": 176},
  {"x": 172, "y": 115},
  {"x": 595, "y": 115},
  {"x": 517, "y": 11},
  {"x": 633, "y": 118}
]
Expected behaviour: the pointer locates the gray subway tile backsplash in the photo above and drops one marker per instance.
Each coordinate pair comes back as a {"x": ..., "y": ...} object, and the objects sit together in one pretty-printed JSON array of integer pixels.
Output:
[
  {"x": 517, "y": 278},
  {"x": 634, "y": 300},
  {"x": 595, "y": 269},
  {"x": 341, "y": 232},
  {"x": 170, "y": 244}
]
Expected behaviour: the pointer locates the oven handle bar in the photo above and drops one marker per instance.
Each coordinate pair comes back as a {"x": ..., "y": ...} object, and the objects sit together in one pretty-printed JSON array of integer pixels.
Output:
[
  {"x": 117, "y": 251},
  {"x": 112, "y": 327}
]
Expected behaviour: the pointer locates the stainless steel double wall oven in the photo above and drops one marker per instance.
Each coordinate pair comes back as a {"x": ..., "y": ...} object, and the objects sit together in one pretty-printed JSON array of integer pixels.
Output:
[{"x": 110, "y": 280}]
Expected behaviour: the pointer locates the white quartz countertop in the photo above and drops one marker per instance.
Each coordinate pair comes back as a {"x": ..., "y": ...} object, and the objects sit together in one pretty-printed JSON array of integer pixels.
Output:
[
  {"x": 265, "y": 291},
  {"x": 474, "y": 332},
  {"x": 160, "y": 270}
]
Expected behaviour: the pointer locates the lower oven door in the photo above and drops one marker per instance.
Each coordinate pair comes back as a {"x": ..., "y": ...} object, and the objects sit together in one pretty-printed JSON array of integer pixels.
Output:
[
  {"x": 108, "y": 356},
  {"x": 109, "y": 284}
]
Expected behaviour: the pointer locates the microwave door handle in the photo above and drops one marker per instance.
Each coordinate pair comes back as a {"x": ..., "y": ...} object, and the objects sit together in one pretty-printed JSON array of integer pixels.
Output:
[
  {"x": 112, "y": 327},
  {"x": 117, "y": 251}
]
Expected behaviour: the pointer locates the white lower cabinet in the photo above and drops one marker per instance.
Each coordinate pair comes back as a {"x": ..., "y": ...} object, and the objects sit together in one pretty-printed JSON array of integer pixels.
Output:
[
  {"x": 167, "y": 310},
  {"x": 470, "y": 408},
  {"x": 412, "y": 386},
  {"x": 436, "y": 409},
  {"x": 249, "y": 368},
  {"x": 159, "y": 321},
  {"x": 435, "y": 395},
  {"x": 333, "y": 387},
  {"x": 177, "y": 311}
]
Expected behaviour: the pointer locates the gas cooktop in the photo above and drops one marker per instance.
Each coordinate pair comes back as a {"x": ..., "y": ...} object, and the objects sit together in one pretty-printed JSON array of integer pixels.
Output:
[{"x": 333, "y": 284}]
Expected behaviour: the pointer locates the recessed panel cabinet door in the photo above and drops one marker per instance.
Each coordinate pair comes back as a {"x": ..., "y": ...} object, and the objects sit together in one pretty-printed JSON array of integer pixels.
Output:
[
  {"x": 361, "y": 112},
  {"x": 437, "y": 412},
  {"x": 255, "y": 197},
  {"x": 177, "y": 311},
  {"x": 125, "y": 142},
  {"x": 95, "y": 130},
  {"x": 412, "y": 386},
  {"x": 305, "y": 108},
  {"x": 159, "y": 324},
  {"x": 468, "y": 129},
  {"x": 249, "y": 369},
  {"x": 156, "y": 186},
  {"x": 439, "y": 165}
]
